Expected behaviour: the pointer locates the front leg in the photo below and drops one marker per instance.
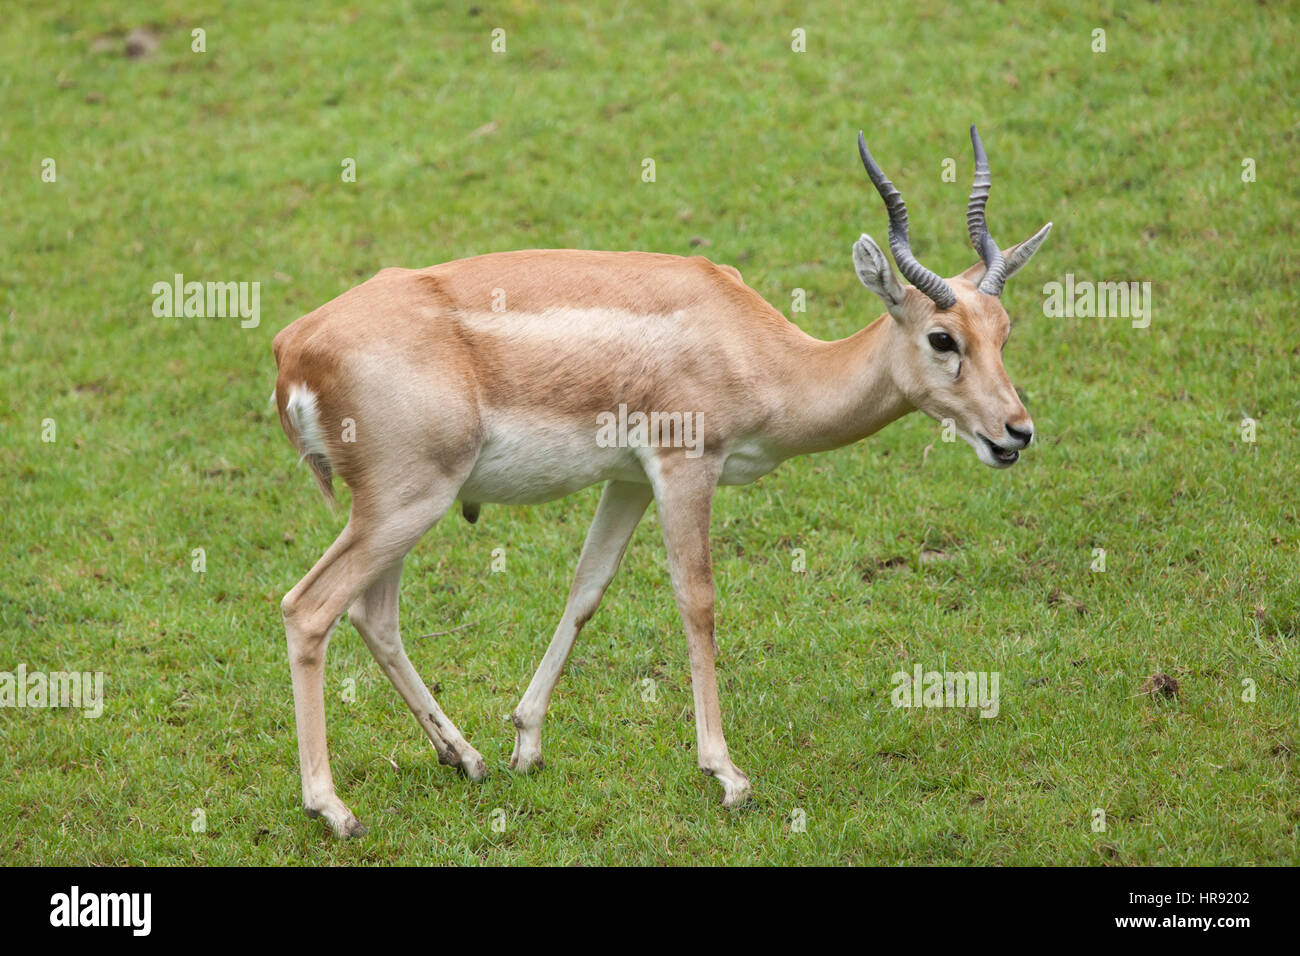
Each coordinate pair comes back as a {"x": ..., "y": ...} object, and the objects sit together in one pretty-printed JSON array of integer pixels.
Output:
[
  {"x": 621, "y": 506},
  {"x": 684, "y": 489}
]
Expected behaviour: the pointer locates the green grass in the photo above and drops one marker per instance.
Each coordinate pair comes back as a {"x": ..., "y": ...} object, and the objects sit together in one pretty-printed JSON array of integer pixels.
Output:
[{"x": 226, "y": 166}]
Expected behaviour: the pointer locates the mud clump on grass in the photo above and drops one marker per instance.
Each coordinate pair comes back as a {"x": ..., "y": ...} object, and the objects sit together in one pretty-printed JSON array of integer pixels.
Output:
[
  {"x": 1161, "y": 685},
  {"x": 140, "y": 42},
  {"x": 1058, "y": 598},
  {"x": 869, "y": 570}
]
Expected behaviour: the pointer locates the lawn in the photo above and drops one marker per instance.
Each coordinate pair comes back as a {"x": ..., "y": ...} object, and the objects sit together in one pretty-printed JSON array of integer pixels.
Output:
[{"x": 128, "y": 441}]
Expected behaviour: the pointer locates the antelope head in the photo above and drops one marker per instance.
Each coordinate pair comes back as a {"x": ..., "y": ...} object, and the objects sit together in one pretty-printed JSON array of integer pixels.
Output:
[{"x": 947, "y": 335}]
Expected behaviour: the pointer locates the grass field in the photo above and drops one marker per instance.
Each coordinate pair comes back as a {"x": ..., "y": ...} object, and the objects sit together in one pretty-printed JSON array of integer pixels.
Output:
[{"x": 226, "y": 165}]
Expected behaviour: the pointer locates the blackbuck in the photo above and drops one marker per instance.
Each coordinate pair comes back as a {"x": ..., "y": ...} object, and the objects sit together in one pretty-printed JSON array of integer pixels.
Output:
[{"x": 486, "y": 380}]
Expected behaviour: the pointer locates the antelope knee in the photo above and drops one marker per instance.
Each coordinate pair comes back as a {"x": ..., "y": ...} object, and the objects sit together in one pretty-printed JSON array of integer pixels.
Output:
[{"x": 306, "y": 639}]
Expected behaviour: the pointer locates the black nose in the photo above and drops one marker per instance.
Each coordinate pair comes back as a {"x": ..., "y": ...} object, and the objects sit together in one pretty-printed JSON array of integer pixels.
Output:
[{"x": 1024, "y": 435}]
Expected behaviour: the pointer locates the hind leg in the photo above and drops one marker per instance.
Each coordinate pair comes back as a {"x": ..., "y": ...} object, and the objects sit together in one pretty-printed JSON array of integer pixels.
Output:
[
  {"x": 375, "y": 617},
  {"x": 378, "y": 535}
]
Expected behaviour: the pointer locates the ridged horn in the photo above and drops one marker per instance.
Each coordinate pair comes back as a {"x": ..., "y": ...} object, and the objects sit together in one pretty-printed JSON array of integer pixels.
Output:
[
  {"x": 988, "y": 250},
  {"x": 932, "y": 285}
]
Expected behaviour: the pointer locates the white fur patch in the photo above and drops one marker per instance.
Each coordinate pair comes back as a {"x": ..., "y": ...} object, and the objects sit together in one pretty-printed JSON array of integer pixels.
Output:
[
  {"x": 301, "y": 411},
  {"x": 527, "y": 459}
]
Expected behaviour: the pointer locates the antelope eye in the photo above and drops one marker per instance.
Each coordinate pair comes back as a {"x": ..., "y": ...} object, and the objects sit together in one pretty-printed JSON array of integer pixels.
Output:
[{"x": 942, "y": 342}]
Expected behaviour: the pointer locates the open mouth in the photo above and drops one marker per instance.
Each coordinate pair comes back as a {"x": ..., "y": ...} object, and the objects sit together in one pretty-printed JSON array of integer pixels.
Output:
[{"x": 1004, "y": 456}]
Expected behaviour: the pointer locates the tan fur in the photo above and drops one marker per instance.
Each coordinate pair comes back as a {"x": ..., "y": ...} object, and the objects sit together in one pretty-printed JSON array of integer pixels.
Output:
[{"x": 446, "y": 398}]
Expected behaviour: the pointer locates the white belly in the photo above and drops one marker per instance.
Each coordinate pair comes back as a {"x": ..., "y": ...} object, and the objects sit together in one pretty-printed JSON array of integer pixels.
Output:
[
  {"x": 527, "y": 464},
  {"x": 747, "y": 461},
  {"x": 534, "y": 462}
]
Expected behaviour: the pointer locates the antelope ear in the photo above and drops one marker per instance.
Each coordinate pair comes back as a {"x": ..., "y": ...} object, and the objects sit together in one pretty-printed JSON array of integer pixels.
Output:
[
  {"x": 1016, "y": 257},
  {"x": 878, "y": 275}
]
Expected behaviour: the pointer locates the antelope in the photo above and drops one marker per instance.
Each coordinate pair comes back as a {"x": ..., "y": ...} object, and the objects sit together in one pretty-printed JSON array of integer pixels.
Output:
[{"x": 482, "y": 381}]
